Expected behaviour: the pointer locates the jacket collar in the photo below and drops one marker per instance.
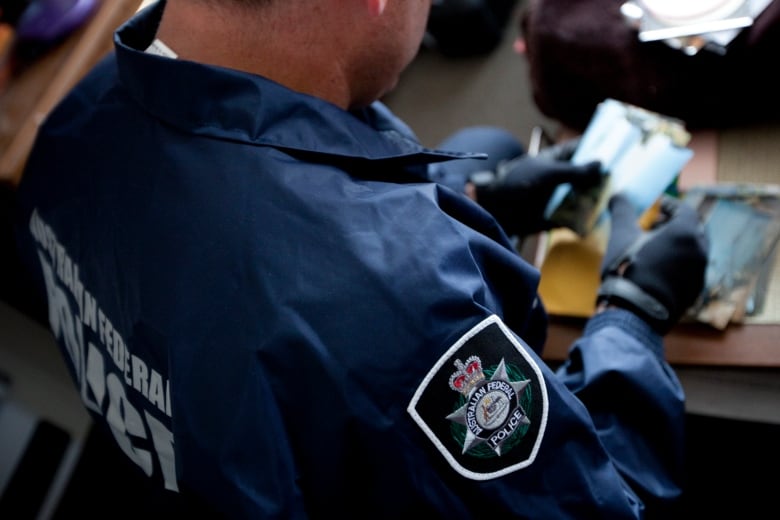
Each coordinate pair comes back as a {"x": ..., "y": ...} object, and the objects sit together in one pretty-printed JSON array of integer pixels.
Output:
[{"x": 253, "y": 109}]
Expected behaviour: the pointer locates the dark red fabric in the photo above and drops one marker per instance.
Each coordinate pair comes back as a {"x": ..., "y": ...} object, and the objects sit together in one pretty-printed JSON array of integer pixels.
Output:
[{"x": 581, "y": 52}]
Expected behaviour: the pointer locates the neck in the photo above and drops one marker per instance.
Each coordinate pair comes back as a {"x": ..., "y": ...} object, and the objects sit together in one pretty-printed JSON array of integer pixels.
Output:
[{"x": 284, "y": 43}]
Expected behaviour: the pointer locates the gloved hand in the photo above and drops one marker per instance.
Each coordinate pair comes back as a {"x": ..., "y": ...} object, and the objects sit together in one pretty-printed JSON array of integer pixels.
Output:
[
  {"x": 518, "y": 192},
  {"x": 657, "y": 274}
]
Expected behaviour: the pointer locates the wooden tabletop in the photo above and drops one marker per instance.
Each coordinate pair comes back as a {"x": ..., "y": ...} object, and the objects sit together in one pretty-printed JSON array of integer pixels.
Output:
[{"x": 739, "y": 345}]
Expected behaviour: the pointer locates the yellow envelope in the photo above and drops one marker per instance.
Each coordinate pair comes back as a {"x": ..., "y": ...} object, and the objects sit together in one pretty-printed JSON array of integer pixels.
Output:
[
  {"x": 570, "y": 273},
  {"x": 571, "y": 267}
]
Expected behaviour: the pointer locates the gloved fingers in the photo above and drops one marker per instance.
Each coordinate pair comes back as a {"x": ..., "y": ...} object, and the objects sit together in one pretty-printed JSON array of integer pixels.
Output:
[
  {"x": 667, "y": 209},
  {"x": 623, "y": 214},
  {"x": 669, "y": 205},
  {"x": 587, "y": 175},
  {"x": 581, "y": 175},
  {"x": 538, "y": 172},
  {"x": 562, "y": 151},
  {"x": 624, "y": 231},
  {"x": 674, "y": 212},
  {"x": 681, "y": 212}
]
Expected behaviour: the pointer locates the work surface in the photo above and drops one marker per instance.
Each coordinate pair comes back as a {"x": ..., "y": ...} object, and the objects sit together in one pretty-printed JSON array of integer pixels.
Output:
[
  {"x": 744, "y": 346},
  {"x": 734, "y": 372}
]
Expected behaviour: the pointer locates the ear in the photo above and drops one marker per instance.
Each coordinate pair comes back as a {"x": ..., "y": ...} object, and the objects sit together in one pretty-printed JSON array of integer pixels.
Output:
[{"x": 376, "y": 7}]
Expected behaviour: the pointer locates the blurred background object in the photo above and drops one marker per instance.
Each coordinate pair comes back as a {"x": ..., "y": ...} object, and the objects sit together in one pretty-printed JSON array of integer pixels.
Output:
[{"x": 35, "y": 26}]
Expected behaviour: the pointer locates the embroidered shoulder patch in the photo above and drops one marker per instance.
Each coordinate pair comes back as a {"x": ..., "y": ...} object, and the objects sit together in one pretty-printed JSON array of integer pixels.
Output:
[{"x": 484, "y": 403}]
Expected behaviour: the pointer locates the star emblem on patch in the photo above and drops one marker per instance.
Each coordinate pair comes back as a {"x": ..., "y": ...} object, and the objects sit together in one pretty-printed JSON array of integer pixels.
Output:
[
  {"x": 491, "y": 412},
  {"x": 484, "y": 403}
]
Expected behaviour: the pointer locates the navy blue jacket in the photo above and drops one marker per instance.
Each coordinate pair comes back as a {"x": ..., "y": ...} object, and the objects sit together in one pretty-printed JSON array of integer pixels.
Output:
[{"x": 270, "y": 306}]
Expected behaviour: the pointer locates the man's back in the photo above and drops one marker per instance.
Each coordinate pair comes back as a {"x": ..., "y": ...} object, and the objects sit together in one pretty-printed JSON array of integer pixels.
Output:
[
  {"x": 210, "y": 285},
  {"x": 268, "y": 304}
]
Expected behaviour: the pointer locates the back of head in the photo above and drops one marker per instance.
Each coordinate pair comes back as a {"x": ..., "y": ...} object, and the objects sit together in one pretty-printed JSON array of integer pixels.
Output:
[{"x": 348, "y": 53}]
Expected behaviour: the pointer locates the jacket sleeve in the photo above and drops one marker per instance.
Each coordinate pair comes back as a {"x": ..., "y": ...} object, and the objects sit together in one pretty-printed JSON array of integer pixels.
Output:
[{"x": 617, "y": 369}]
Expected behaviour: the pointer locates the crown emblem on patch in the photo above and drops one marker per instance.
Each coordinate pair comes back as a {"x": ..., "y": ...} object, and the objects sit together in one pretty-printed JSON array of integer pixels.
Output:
[{"x": 467, "y": 376}]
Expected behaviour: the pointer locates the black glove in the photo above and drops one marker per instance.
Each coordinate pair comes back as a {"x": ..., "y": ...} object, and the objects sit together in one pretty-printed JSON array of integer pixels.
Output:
[
  {"x": 657, "y": 274},
  {"x": 518, "y": 192}
]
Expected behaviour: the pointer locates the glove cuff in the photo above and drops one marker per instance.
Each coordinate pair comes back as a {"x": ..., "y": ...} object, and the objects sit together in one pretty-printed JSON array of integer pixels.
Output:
[{"x": 625, "y": 293}]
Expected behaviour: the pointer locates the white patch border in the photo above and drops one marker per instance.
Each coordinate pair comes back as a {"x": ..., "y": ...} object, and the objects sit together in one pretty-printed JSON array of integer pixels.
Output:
[{"x": 436, "y": 367}]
